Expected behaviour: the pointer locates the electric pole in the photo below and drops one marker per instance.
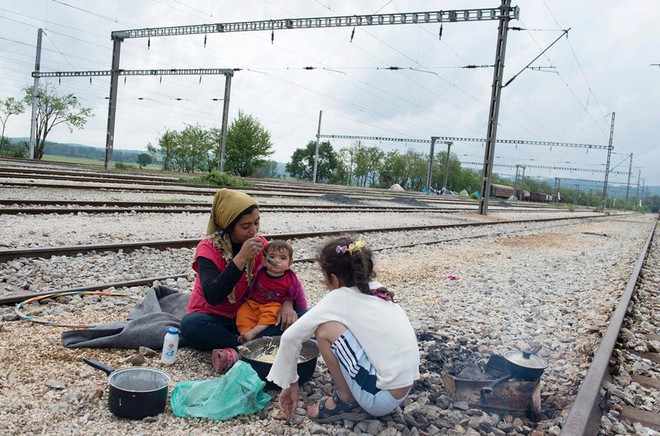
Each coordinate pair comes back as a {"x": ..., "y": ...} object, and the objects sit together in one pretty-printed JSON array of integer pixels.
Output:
[
  {"x": 493, "y": 114},
  {"x": 225, "y": 118},
  {"x": 316, "y": 149},
  {"x": 629, "y": 174},
  {"x": 444, "y": 179},
  {"x": 35, "y": 97},
  {"x": 610, "y": 147}
]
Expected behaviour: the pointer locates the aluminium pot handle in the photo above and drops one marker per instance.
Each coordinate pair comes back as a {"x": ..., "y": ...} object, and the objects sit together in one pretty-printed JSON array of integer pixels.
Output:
[
  {"x": 98, "y": 365},
  {"x": 535, "y": 349}
]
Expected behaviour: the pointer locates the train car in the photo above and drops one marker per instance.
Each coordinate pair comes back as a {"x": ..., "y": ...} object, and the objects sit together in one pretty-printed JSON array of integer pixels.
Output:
[
  {"x": 501, "y": 191},
  {"x": 539, "y": 197},
  {"x": 522, "y": 195}
]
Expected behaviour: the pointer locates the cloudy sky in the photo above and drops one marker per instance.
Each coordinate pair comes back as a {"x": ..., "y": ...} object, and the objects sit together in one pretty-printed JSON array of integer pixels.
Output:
[{"x": 567, "y": 95}]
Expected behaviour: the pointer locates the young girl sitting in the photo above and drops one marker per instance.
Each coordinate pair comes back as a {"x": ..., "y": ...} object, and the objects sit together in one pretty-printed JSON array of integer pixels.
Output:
[
  {"x": 365, "y": 338},
  {"x": 272, "y": 284}
]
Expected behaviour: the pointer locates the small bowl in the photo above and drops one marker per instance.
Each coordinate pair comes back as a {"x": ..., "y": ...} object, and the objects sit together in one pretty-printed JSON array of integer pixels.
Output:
[{"x": 249, "y": 351}]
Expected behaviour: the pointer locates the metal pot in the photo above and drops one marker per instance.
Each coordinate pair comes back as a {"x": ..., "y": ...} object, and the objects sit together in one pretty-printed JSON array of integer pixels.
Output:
[
  {"x": 135, "y": 392},
  {"x": 267, "y": 345},
  {"x": 524, "y": 365}
]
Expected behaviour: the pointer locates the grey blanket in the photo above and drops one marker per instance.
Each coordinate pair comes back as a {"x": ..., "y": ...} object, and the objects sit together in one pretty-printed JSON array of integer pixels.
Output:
[{"x": 161, "y": 308}]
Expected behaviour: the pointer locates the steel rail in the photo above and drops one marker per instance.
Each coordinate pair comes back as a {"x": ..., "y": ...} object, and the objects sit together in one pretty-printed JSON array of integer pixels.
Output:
[
  {"x": 201, "y": 190},
  {"x": 165, "y": 204},
  {"x": 110, "y": 177},
  {"x": 45, "y": 252},
  {"x": 205, "y": 191},
  {"x": 17, "y": 298},
  {"x": 259, "y": 187},
  {"x": 104, "y": 210},
  {"x": 584, "y": 416},
  {"x": 86, "y": 173}
]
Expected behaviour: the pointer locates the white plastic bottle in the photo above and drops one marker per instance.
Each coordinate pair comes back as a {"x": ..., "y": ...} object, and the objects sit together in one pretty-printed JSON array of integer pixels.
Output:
[{"x": 170, "y": 345}]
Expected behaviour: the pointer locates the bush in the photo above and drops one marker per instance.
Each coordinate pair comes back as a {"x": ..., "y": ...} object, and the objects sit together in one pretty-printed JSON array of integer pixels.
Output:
[
  {"x": 13, "y": 150},
  {"x": 215, "y": 178},
  {"x": 121, "y": 166},
  {"x": 14, "y": 153}
]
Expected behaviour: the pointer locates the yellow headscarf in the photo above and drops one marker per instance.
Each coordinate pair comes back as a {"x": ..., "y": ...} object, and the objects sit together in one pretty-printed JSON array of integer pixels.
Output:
[{"x": 227, "y": 205}]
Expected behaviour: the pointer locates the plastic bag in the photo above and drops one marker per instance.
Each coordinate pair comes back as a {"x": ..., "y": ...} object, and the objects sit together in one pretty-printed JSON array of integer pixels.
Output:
[{"x": 238, "y": 392}]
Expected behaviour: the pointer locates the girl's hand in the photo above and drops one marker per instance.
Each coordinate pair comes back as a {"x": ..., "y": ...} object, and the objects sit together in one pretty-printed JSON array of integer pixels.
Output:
[
  {"x": 288, "y": 401},
  {"x": 286, "y": 316}
]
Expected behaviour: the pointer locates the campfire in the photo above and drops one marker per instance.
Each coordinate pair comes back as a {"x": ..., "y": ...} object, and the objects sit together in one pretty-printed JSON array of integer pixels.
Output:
[{"x": 506, "y": 384}]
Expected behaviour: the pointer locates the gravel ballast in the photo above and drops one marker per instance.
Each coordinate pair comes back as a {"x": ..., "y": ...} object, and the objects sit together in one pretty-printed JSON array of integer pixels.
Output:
[{"x": 551, "y": 284}]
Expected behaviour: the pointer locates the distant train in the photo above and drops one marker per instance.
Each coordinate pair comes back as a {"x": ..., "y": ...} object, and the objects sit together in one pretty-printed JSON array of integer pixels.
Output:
[{"x": 505, "y": 191}]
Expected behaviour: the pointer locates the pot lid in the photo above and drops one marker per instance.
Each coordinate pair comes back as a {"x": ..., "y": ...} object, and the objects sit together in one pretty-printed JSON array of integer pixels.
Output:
[{"x": 525, "y": 359}]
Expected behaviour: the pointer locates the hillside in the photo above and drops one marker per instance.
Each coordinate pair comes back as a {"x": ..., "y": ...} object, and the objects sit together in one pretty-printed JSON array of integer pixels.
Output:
[{"x": 83, "y": 151}]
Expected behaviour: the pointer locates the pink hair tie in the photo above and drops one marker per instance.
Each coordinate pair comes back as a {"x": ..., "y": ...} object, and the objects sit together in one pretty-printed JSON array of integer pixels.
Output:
[{"x": 380, "y": 294}]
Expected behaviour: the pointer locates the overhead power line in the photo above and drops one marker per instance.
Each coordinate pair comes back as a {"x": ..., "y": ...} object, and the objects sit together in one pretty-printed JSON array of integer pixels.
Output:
[
  {"x": 461, "y": 139},
  {"x": 547, "y": 167}
]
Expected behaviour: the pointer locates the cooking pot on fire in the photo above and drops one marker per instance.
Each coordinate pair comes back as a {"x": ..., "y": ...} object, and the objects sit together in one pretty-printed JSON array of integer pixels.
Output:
[{"x": 525, "y": 365}]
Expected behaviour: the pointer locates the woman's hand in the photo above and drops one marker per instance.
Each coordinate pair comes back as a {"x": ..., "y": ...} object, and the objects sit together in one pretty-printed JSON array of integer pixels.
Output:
[
  {"x": 288, "y": 401},
  {"x": 286, "y": 316},
  {"x": 250, "y": 249}
]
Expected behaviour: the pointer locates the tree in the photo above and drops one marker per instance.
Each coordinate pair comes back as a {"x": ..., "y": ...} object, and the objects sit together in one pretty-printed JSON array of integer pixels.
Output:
[
  {"x": 144, "y": 159},
  {"x": 53, "y": 110},
  {"x": 9, "y": 106},
  {"x": 417, "y": 165},
  {"x": 167, "y": 144},
  {"x": 248, "y": 146},
  {"x": 302, "y": 163},
  {"x": 393, "y": 170},
  {"x": 453, "y": 175},
  {"x": 197, "y": 143},
  {"x": 268, "y": 170}
]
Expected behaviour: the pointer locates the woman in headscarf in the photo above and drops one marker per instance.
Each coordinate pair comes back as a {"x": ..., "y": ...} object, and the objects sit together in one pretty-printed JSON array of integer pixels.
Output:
[{"x": 225, "y": 261}]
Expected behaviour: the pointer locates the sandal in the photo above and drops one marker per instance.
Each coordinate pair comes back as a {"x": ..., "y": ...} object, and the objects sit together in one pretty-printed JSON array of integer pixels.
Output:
[
  {"x": 343, "y": 410},
  {"x": 223, "y": 359}
]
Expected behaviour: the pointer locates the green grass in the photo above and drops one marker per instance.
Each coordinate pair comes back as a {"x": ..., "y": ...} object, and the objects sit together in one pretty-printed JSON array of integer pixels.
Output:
[
  {"x": 69, "y": 159},
  {"x": 215, "y": 178},
  {"x": 93, "y": 162}
]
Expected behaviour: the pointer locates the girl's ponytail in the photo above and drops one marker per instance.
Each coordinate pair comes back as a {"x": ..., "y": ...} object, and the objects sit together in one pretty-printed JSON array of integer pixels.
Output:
[{"x": 352, "y": 262}]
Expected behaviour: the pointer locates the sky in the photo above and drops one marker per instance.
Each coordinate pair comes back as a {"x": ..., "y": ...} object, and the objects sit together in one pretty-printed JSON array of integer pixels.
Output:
[{"x": 604, "y": 65}]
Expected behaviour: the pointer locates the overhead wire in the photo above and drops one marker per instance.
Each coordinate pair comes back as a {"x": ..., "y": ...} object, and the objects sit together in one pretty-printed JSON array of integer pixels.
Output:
[{"x": 351, "y": 78}]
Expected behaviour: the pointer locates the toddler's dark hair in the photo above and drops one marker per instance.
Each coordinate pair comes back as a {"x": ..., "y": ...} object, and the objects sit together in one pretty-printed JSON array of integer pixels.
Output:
[
  {"x": 352, "y": 269},
  {"x": 277, "y": 245}
]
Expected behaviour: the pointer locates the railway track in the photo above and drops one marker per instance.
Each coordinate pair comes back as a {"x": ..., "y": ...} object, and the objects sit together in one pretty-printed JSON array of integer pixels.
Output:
[
  {"x": 625, "y": 408},
  {"x": 260, "y": 187},
  {"x": 37, "y": 207},
  {"x": 45, "y": 252},
  {"x": 585, "y": 417},
  {"x": 63, "y": 207}
]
